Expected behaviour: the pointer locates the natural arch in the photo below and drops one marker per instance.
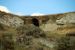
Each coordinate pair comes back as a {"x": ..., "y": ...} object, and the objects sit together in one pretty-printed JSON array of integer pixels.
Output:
[{"x": 35, "y": 22}]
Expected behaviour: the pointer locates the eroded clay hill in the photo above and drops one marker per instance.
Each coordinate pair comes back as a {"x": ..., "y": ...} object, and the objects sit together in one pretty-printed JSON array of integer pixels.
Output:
[
  {"x": 55, "y": 22},
  {"x": 48, "y": 32}
]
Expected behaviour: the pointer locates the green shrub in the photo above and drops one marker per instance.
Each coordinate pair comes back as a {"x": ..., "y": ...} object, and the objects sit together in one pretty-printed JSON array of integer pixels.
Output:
[
  {"x": 26, "y": 34},
  {"x": 31, "y": 30},
  {"x": 66, "y": 43},
  {"x": 7, "y": 42}
]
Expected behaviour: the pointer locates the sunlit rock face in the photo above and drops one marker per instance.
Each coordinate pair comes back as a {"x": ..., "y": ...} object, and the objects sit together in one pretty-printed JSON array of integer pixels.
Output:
[
  {"x": 58, "y": 20},
  {"x": 45, "y": 22},
  {"x": 10, "y": 20},
  {"x": 69, "y": 18},
  {"x": 49, "y": 27}
]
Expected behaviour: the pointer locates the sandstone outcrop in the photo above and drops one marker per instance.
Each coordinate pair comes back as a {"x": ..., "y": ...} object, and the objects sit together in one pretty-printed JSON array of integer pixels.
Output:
[
  {"x": 10, "y": 19},
  {"x": 46, "y": 22}
]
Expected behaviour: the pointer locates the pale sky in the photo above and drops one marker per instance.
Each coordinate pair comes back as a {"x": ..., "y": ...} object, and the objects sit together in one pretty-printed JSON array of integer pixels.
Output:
[{"x": 28, "y": 7}]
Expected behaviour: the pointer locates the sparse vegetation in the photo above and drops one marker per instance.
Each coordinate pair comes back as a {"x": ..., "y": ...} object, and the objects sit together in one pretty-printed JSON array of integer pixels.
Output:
[
  {"x": 7, "y": 42},
  {"x": 30, "y": 36},
  {"x": 66, "y": 43}
]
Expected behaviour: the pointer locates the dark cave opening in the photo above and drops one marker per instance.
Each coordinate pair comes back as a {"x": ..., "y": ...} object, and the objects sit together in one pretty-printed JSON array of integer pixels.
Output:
[{"x": 35, "y": 22}]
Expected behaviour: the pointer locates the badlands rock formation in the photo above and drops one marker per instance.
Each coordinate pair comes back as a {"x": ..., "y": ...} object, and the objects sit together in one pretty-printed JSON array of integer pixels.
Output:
[
  {"x": 46, "y": 22},
  {"x": 10, "y": 19},
  {"x": 37, "y": 32}
]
